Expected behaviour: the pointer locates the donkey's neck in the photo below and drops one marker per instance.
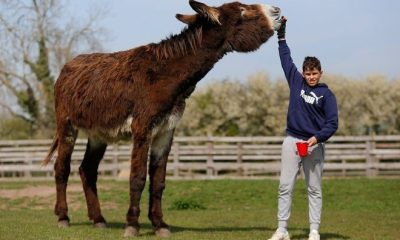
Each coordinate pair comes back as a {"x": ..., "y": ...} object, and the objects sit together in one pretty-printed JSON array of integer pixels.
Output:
[
  {"x": 190, "y": 69},
  {"x": 180, "y": 45},
  {"x": 188, "y": 42},
  {"x": 186, "y": 58}
]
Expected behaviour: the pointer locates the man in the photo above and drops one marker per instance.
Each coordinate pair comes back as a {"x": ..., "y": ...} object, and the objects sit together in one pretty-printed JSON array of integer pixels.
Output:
[{"x": 313, "y": 118}]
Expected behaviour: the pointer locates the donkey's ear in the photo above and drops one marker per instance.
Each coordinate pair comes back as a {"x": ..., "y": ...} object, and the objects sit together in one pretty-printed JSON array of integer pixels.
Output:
[
  {"x": 206, "y": 11},
  {"x": 187, "y": 19}
]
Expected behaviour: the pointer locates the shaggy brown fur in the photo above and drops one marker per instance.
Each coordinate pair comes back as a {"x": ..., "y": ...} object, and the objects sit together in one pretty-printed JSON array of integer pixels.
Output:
[{"x": 140, "y": 94}]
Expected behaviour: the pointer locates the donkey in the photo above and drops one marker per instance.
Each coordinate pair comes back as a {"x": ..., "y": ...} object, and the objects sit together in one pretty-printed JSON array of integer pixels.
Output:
[{"x": 140, "y": 94}]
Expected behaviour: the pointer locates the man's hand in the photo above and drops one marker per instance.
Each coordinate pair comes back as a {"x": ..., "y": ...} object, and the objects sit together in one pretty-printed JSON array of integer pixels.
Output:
[
  {"x": 312, "y": 141},
  {"x": 282, "y": 29}
]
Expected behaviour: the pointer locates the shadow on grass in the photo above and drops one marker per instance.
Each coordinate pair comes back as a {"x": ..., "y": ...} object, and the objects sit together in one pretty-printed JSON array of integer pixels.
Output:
[
  {"x": 121, "y": 225},
  {"x": 322, "y": 235},
  {"x": 109, "y": 224},
  {"x": 219, "y": 229},
  {"x": 176, "y": 229}
]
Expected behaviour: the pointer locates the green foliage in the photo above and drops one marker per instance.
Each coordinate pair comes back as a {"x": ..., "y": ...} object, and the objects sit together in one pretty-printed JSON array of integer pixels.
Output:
[
  {"x": 15, "y": 128},
  {"x": 367, "y": 106},
  {"x": 28, "y": 103},
  {"x": 186, "y": 204},
  {"x": 232, "y": 108}
]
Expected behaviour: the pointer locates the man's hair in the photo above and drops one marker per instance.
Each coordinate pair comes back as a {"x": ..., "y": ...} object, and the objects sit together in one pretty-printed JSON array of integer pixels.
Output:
[{"x": 311, "y": 63}]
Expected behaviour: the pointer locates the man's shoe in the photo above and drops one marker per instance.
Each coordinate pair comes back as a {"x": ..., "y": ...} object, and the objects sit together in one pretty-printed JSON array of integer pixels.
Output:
[
  {"x": 280, "y": 236},
  {"x": 314, "y": 235}
]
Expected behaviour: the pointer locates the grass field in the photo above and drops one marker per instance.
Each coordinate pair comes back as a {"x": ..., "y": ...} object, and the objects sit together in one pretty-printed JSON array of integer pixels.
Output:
[{"x": 224, "y": 209}]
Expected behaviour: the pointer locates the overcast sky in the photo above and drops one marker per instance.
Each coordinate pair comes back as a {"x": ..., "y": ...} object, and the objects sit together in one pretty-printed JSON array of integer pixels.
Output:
[{"x": 354, "y": 38}]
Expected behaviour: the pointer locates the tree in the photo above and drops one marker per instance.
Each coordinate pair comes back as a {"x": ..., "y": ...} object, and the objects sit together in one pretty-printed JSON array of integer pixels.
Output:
[
  {"x": 231, "y": 108},
  {"x": 213, "y": 110},
  {"x": 264, "y": 107},
  {"x": 37, "y": 39},
  {"x": 366, "y": 106}
]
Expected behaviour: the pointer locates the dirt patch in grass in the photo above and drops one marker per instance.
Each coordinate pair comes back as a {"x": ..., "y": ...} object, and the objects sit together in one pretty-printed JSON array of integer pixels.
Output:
[
  {"x": 37, "y": 191},
  {"x": 43, "y": 196},
  {"x": 43, "y": 191}
]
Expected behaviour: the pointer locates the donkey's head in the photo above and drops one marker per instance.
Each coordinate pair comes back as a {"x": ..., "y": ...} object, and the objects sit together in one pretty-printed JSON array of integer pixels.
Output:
[{"x": 234, "y": 26}]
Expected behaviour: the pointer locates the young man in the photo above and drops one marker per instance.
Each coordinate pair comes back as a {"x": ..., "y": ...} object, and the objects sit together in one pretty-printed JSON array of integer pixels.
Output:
[{"x": 313, "y": 118}]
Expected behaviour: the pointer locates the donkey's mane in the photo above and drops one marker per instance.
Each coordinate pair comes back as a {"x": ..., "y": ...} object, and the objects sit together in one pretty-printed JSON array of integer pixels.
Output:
[{"x": 178, "y": 45}]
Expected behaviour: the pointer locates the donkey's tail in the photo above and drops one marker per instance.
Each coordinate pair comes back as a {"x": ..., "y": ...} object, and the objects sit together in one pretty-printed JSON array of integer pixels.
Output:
[{"x": 50, "y": 154}]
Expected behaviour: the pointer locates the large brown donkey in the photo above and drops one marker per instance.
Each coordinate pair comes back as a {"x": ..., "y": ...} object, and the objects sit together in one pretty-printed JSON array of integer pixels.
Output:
[{"x": 140, "y": 94}]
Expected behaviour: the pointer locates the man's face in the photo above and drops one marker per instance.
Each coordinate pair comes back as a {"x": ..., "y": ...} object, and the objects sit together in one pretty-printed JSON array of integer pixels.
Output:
[{"x": 312, "y": 76}]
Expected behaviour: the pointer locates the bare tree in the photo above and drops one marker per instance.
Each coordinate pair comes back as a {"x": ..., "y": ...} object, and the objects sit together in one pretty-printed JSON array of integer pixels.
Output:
[{"x": 37, "y": 38}]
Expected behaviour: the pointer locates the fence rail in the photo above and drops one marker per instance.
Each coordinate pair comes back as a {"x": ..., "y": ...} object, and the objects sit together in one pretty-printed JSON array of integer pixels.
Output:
[{"x": 215, "y": 157}]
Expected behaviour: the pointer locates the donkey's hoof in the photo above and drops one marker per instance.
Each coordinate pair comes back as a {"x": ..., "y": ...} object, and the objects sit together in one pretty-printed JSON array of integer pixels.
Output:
[
  {"x": 131, "y": 232},
  {"x": 63, "y": 224},
  {"x": 100, "y": 225},
  {"x": 163, "y": 233}
]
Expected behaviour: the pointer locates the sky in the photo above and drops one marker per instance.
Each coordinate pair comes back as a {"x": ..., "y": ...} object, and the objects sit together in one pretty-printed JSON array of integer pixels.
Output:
[{"x": 352, "y": 38}]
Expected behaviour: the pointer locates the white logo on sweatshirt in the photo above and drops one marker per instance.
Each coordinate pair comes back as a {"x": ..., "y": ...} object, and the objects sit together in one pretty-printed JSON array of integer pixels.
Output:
[{"x": 310, "y": 99}]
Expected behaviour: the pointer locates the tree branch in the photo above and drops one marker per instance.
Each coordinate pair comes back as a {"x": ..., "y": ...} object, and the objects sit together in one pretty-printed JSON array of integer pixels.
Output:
[
  {"x": 13, "y": 113},
  {"x": 7, "y": 74},
  {"x": 8, "y": 85}
]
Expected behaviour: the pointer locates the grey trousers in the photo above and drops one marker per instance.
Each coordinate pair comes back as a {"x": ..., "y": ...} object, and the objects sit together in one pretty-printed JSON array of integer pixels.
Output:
[{"x": 312, "y": 166}]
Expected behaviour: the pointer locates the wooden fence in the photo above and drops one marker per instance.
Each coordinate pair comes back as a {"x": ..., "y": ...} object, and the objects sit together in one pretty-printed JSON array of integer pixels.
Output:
[{"x": 215, "y": 157}]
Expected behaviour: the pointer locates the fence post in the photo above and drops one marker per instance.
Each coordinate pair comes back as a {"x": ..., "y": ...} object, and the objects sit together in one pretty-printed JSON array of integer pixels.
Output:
[
  {"x": 210, "y": 158},
  {"x": 370, "y": 157},
  {"x": 115, "y": 161},
  {"x": 28, "y": 171},
  {"x": 240, "y": 170},
  {"x": 176, "y": 159}
]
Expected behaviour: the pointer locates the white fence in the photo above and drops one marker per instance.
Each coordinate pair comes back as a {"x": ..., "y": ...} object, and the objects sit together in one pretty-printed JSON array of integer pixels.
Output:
[{"x": 215, "y": 157}]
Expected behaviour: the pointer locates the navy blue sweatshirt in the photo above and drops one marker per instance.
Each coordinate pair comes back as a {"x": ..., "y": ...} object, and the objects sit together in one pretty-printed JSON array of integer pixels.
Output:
[{"x": 312, "y": 110}]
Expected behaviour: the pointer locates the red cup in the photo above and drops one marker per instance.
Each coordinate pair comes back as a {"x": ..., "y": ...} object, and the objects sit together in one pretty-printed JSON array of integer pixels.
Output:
[{"x": 302, "y": 149}]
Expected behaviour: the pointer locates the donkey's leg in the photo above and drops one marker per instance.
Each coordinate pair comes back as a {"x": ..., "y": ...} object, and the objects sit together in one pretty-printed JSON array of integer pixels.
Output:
[
  {"x": 88, "y": 172},
  {"x": 67, "y": 136},
  {"x": 160, "y": 149},
  {"x": 137, "y": 180}
]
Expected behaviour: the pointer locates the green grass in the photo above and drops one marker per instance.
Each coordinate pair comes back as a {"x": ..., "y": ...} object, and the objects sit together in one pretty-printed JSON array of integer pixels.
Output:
[{"x": 224, "y": 209}]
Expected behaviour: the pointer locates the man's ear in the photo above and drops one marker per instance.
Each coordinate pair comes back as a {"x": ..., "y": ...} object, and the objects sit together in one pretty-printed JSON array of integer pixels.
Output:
[
  {"x": 187, "y": 19},
  {"x": 206, "y": 11}
]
